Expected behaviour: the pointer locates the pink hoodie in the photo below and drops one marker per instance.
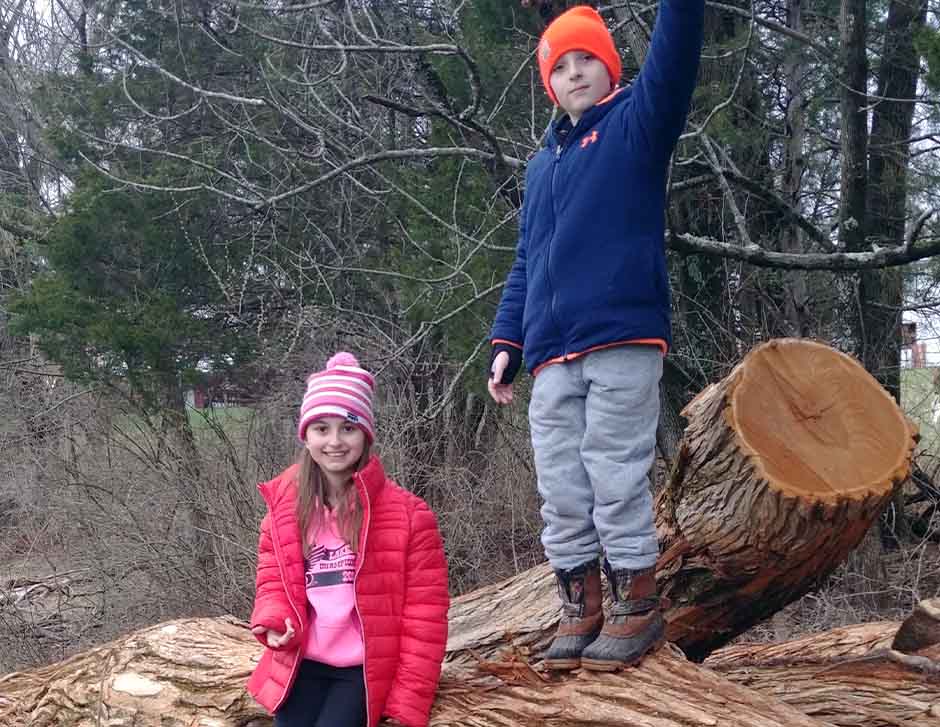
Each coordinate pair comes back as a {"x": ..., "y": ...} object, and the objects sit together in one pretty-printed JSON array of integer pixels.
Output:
[{"x": 335, "y": 633}]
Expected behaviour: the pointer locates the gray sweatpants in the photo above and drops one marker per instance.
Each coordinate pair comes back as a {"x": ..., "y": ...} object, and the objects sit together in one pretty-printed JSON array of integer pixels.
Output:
[{"x": 593, "y": 424}]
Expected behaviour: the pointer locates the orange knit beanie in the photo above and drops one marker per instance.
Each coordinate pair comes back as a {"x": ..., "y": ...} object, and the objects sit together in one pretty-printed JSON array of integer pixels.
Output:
[{"x": 580, "y": 28}]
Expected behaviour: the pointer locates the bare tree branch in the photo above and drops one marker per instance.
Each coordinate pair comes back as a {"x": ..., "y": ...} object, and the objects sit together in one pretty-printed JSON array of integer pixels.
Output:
[{"x": 836, "y": 261}]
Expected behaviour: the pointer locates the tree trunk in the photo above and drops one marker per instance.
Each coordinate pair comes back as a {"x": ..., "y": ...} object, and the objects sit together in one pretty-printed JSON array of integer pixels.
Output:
[
  {"x": 185, "y": 460},
  {"x": 881, "y": 291},
  {"x": 784, "y": 465},
  {"x": 192, "y": 672},
  {"x": 635, "y": 32},
  {"x": 674, "y": 394},
  {"x": 853, "y": 178},
  {"x": 873, "y": 675},
  {"x": 666, "y": 691},
  {"x": 854, "y": 128},
  {"x": 188, "y": 672},
  {"x": 796, "y": 296}
]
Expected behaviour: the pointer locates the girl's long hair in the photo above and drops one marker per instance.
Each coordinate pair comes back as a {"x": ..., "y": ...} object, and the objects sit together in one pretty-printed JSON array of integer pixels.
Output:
[{"x": 311, "y": 501}]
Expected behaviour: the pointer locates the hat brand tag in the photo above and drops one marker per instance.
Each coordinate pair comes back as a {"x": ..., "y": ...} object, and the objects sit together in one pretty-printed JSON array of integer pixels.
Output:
[{"x": 352, "y": 417}]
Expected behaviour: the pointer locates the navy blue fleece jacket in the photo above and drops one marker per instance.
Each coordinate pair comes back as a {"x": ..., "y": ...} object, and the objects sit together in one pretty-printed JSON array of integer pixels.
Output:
[{"x": 590, "y": 268}]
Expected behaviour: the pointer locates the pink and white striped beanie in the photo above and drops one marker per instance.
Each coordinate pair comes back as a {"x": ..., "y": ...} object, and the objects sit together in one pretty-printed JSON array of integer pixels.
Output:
[{"x": 343, "y": 389}]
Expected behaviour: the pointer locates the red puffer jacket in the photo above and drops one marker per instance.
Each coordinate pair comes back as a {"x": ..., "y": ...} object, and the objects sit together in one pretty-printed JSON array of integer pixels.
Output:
[{"x": 401, "y": 597}]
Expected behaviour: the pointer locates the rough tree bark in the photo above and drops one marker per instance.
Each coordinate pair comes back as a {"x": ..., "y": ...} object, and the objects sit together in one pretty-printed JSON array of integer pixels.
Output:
[
  {"x": 881, "y": 291},
  {"x": 191, "y": 672},
  {"x": 796, "y": 301},
  {"x": 873, "y": 675},
  {"x": 673, "y": 395},
  {"x": 784, "y": 465},
  {"x": 188, "y": 672}
]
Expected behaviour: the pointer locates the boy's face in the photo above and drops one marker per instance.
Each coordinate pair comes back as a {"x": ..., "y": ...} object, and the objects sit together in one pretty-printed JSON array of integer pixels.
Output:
[{"x": 579, "y": 80}]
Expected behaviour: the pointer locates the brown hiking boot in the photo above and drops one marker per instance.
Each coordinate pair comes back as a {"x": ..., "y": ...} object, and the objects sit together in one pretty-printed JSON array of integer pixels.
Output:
[
  {"x": 634, "y": 626},
  {"x": 582, "y": 615}
]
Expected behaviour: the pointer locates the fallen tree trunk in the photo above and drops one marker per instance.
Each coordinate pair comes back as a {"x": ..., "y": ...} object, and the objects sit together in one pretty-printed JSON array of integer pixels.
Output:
[
  {"x": 784, "y": 465},
  {"x": 191, "y": 673},
  {"x": 666, "y": 691},
  {"x": 192, "y": 669},
  {"x": 873, "y": 675}
]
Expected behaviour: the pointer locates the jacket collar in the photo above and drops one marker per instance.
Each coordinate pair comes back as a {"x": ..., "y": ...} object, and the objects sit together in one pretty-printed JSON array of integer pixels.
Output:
[
  {"x": 282, "y": 490},
  {"x": 371, "y": 477},
  {"x": 562, "y": 133}
]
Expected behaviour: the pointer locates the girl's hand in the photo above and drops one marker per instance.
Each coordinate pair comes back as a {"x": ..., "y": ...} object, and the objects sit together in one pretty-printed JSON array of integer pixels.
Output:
[{"x": 276, "y": 639}]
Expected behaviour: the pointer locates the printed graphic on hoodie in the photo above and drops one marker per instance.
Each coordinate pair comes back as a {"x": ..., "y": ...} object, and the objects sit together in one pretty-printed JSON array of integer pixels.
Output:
[
  {"x": 335, "y": 634},
  {"x": 330, "y": 566}
]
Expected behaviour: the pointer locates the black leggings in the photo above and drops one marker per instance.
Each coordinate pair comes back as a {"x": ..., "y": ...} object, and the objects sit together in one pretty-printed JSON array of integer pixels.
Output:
[{"x": 324, "y": 696}]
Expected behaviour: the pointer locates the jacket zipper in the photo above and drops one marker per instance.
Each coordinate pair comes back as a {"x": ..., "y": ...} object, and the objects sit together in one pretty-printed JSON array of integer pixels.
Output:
[
  {"x": 362, "y": 557},
  {"x": 299, "y": 652},
  {"x": 559, "y": 150},
  {"x": 548, "y": 264}
]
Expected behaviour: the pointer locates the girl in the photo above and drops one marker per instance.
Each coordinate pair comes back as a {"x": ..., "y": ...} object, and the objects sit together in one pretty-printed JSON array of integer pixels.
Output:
[{"x": 353, "y": 614}]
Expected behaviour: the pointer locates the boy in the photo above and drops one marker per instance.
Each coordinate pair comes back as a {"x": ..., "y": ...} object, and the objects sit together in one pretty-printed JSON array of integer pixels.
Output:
[{"x": 587, "y": 303}]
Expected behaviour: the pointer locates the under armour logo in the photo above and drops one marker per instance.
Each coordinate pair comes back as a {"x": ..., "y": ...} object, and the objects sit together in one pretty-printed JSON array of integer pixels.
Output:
[{"x": 590, "y": 139}]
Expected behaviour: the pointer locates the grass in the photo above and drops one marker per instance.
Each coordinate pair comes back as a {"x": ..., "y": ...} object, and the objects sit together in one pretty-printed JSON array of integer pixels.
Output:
[
  {"x": 920, "y": 400},
  {"x": 232, "y": 419}
]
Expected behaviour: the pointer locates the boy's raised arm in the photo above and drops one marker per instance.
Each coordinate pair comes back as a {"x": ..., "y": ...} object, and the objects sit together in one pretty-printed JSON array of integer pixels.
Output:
[{"x": 663, "y": 88}]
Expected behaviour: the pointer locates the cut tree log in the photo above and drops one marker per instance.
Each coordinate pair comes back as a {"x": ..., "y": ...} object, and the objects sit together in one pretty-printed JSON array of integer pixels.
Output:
[
  {"x": 666, "y": 691},
  {"x": 873, "y": 675},
  {"x": 192, "y": 669},
  {"x": 783, "y": 467},
  {"x": 191, "y": 673},
  {"x": 920, "y": 630}
]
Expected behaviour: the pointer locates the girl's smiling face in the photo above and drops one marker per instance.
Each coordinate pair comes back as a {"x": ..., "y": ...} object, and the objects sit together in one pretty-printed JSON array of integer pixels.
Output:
[{"x": 336, "y": 445}]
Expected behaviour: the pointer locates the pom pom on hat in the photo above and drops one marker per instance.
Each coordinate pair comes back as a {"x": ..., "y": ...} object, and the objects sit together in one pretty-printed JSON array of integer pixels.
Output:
[
  {"x": 580, "y": 28},
  {"x": 343, "y": 389},
  {"x": 343, "y": 358}
]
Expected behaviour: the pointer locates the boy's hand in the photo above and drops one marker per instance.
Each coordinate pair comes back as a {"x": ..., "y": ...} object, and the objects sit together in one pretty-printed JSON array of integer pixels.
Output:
[
  {"x": 276, "y": 639},
  {"x": 501, "y": 393}
]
